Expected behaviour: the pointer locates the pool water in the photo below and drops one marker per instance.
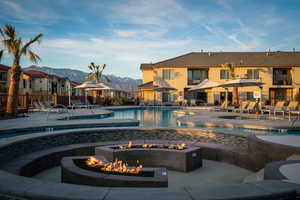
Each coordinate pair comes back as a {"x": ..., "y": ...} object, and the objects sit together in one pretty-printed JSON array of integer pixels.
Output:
[{"x": 151, "y": 117}]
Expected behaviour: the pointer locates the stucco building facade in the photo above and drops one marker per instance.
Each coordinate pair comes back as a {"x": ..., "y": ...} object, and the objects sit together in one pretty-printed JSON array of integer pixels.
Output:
[{"x": 280, "y": 71}]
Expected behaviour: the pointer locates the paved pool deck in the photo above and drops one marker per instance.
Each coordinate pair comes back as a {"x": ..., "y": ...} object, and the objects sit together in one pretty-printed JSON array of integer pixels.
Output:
[
  {"x": 204, "y": 117},
  {"x": 41, "y": 119}
]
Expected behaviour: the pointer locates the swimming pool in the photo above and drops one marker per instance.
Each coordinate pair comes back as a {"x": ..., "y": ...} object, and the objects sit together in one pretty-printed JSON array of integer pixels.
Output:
[
  {"x": 148, "y": 117},
  {"x": 167, "y": 117}
]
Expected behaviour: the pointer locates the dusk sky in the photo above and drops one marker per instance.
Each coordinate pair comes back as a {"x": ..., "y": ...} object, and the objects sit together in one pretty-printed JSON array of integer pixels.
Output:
[{"x": 125, "y": 33}]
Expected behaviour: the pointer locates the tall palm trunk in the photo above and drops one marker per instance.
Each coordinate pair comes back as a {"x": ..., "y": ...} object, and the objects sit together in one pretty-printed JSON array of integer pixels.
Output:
[
  {"x": 12, "y": 99},
  {"x": 235, "y": 96}
]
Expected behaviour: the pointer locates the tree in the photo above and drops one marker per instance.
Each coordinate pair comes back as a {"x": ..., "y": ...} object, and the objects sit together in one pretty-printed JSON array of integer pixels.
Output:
[
  {"x": 97, "y": 73},
  {"x": 15, "y": 47},
  {"x": 235, "y": 91}
]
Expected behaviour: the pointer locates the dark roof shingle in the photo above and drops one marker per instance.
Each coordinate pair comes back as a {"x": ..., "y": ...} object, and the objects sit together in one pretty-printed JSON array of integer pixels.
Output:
[{"x": 219, "y": 58}]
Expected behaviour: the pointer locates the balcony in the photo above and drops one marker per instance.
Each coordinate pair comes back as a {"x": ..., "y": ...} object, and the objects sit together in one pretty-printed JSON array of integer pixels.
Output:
[{"x": 282, "y": 76}]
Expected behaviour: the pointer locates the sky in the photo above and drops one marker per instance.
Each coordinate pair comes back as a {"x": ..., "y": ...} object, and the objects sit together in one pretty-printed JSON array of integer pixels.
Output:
[{"x": 125, "y": 33}]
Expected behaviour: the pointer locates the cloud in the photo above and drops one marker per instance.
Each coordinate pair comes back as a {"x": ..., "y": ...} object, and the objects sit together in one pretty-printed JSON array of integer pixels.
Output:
[
  {"x": 30, "y": 13},
  {"x": 168, "y": 13}
]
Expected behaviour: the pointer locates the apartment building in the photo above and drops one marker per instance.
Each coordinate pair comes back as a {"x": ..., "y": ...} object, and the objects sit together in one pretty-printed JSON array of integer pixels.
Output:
[
  {"x": 4, "y": 79},
  {"x": 39, "y": 83},
  {"x": 280, "y": 71}
]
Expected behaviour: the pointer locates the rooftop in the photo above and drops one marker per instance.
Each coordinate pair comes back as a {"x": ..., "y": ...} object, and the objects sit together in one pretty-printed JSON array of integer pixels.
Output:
[{"x": 239, "y": 58}]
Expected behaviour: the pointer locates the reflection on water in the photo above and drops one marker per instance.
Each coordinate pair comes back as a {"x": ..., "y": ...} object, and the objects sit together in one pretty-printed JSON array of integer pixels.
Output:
[{"x": 149, "y": 117}]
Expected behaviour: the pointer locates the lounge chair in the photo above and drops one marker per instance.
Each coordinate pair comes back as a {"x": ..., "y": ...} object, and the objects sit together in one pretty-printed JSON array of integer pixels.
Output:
[
  {"x": 185, "y": 102},
  {"x": 193, "y": 102},
  {"x": 78, "y": 104},
  {"x": 292, "y": 109},
  {"x": 279, "y": 108},
  {"x": 142, "y": 102},
  {"x": 242, "y": 107},
  {"x": 57, "y": 109},
  {"x": 251, "y": 107},
  {"x": 223, "y": 107}
]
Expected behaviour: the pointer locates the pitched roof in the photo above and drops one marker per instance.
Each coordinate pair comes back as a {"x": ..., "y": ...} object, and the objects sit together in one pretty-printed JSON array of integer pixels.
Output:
[
  {"x": 4, "y": 68},
  {"x": 40, "y": 74},
  {"x": 146, "y": 85},
  {"x": 219, "y": 58},
  {"x": 36, "y": 74}
]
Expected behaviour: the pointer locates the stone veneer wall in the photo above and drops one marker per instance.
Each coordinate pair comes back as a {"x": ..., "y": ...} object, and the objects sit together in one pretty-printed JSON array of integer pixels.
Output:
[{"x": 40, "y": 142}]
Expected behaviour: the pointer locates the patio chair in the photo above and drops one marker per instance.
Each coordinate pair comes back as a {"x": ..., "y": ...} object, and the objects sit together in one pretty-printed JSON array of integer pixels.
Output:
[
  {"x": 142, "y": 102},
  {"x": 251, "y": 107},
  {"x": 193, "y": 102},
  {"x": 279, "y": 108},
  {"x": 292, "y": 109},
  {"x": 242, "y": 107}
]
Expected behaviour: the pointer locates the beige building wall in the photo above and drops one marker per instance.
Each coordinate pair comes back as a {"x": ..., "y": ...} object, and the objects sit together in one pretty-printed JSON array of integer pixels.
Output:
[{"x": 181, "y": 76}]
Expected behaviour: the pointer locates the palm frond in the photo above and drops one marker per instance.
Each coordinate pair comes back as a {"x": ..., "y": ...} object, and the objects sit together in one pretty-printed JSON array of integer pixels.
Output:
[
  {"x": 9, "y": 45},
  {"x": 106, "y": 79},
  {"x": 1, "y": 54},
  {"x": 2, "y": 33},
  {"x": 10, "y": 31},
  {"x": 37, "y": 39},
  {"x": 33, "y": 57}
]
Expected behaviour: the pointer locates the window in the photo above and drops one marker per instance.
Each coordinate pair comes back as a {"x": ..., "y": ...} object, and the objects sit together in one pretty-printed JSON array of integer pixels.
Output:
[
  {"x": 30, "y": 84},
  {"x": 282, "y": 76},
  {"x": 224, "y": 74},
  {"x": 252, "y": 73},
  {"x": 196, "y": 76},
  {"x": 249, "y": 96},
  {"x": 168, "y": 74}
]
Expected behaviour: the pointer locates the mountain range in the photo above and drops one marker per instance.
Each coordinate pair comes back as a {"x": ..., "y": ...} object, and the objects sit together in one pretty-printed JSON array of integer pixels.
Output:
[{"x": 125, "y": 83}]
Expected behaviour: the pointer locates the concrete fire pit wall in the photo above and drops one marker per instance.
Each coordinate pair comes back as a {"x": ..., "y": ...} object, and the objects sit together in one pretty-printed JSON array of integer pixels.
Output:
[
  {"x": 180, "y": 160},
  {"x": 36, "y": 142},
  {"x": 31, "y": 148},
  {"x": 266, "y": 152},
  {"x": 75, "y": 175}
]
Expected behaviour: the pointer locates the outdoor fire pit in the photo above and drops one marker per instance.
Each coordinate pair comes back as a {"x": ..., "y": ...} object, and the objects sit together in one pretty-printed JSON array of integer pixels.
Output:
[
  {"x": 97, "y": 171},
  {"x": 177, "y": 157}
]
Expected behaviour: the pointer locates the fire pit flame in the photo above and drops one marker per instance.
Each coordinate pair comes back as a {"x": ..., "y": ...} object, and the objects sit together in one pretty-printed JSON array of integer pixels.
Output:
[{"x": 117, "y": 166}]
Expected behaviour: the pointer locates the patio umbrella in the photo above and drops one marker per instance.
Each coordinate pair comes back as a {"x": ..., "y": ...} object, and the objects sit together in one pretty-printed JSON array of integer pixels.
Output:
[
  {"x": 241, "y": 83},
  {"x": 205, "y": 84},
  {"x": 163, "y": 89},
  {"x": 88, "y": 85}
]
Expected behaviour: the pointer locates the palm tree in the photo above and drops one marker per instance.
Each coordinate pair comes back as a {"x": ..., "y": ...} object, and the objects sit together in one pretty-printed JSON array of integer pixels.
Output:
[
  {"x": 97, "y": 73},
  {"x": 235, "y": 91},
  {"x": 15, "y": 47}
]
